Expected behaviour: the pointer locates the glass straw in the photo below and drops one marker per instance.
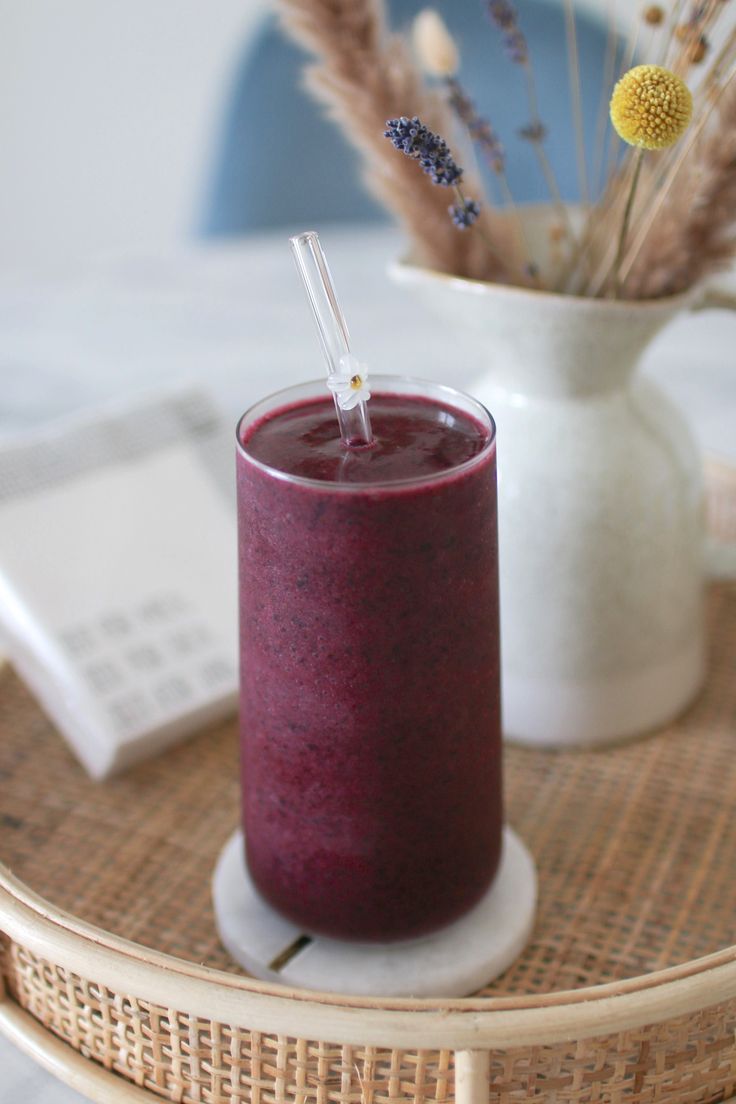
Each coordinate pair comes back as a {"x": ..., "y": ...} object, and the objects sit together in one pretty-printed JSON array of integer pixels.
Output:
[{"x": 355, "y": 424}]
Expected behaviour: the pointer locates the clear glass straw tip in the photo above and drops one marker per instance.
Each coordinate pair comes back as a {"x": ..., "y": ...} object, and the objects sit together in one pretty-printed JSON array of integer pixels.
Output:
[{"x": 343, "y": 371}]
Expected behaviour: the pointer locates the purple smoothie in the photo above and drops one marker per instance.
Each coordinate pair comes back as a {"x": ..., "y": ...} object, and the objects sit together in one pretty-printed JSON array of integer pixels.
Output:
[{"x": 370, "y": 725}]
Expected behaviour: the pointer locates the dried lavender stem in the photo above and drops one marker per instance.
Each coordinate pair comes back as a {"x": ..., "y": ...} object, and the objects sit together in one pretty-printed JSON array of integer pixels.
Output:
[
  {"x": 594, "y": 224},
  {"x": 488, "y": 240},
  {"x": 723, "y": 60},
  {"x": 671, "y": 28},
  {"x": 631, "y": 51},
  {"x": 596, "y": 217},
  {"x": 547, "y": 170},
  {"x": 623, "y": 235},
  {"x": 521, "y": 235},
  {"x": 578, "y": 269},
  {"x": 577, "y": 105},
  {"x": 483, "y": 138},
  {"x": 602, "y": 225},
  {"x": 601, "y": 129},
  {"x": 585, "y": 241},
  {"x": 614, "y": 148}
]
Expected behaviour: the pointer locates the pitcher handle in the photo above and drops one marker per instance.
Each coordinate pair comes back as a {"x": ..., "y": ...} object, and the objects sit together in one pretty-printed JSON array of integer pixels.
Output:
[
  {"x": 716, "y": 298},
  {"x": 720, "y": 537},
  {"x": 720, "y": 555}
]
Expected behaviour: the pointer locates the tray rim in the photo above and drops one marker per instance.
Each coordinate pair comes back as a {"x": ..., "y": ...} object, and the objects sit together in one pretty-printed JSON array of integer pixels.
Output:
[
  {"x": 455, "y": 1024},
  {"x": 66, "y": 1064}
]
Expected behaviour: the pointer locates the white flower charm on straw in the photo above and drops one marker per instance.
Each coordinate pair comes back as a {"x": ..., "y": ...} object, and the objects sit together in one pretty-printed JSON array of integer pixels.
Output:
[{"x": 349, "y": 384}]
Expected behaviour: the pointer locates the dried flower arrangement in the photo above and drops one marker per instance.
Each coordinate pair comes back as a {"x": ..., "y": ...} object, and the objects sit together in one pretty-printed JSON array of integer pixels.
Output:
[{"x": 666, "y": 217}]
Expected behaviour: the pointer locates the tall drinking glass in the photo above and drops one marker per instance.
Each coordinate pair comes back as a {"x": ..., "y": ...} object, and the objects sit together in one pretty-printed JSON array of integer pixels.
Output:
[{"x": 370, "y": 726}]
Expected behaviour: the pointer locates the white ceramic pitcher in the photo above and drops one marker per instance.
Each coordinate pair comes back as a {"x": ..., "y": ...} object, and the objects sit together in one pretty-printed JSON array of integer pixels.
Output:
[{"x": 600, "y": 510}]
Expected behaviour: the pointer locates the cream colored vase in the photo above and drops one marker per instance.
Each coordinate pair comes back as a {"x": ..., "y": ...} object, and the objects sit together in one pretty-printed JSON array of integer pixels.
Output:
[{"x": 600, "y": 511}]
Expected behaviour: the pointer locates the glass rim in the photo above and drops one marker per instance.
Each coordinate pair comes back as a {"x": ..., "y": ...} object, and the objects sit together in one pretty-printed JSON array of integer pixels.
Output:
[{"x": 433, "y": 389}]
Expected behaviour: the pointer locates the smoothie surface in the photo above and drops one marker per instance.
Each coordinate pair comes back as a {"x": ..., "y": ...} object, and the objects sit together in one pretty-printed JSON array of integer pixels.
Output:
[{"x": 414, "y": 438}]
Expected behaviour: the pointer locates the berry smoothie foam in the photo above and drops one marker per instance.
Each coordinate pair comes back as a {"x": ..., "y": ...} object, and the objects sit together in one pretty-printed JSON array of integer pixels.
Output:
[{"x": 370, "y": 720}]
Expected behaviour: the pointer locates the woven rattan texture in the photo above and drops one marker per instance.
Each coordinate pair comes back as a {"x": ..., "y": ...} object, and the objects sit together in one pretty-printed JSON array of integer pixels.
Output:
[
  {"x": 689, "y": 1059},
  {"x": 188, "y": 1059},
  {"x": 635, "y": 845}
]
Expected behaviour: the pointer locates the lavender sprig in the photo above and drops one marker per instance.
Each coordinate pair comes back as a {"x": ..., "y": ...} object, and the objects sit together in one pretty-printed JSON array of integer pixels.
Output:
[
  {"x": 464, "y": 214},
  {"x": 533, "y": 132},
  {"x": 482, "y": 133},
  {"x": 503, "y": 14},
  {"x": 479, "y": 128},
  {"x": 505, "y": 17},
  {"x": 417, "y": 141}
]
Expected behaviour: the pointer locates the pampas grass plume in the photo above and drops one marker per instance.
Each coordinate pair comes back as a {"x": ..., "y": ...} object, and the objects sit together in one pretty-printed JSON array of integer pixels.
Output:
[{"x": 434, "y": 46}]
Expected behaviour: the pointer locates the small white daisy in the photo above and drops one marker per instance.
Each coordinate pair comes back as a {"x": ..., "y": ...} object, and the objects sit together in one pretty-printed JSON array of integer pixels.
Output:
[{"x": 350, "y": 383}]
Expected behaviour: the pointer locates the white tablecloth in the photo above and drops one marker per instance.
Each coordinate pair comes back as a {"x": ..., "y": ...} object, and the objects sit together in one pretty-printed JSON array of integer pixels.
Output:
[{"x": 234, "y": 317}]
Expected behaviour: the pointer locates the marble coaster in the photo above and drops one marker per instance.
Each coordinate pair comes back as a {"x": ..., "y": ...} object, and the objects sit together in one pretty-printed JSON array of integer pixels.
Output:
[{"x": 453, "y": 962}]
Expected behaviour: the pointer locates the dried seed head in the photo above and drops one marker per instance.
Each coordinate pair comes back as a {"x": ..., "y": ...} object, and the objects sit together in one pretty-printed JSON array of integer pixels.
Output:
[
  {"x": 654, "y": 15},
  {"x": 651, "y": 107},
  {"x": 698, "y": 50},
  {"x": 434, "y": 45}
]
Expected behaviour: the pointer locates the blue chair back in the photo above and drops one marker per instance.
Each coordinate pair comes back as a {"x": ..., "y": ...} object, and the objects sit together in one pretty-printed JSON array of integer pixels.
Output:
[{"x": 279, "y": 162}]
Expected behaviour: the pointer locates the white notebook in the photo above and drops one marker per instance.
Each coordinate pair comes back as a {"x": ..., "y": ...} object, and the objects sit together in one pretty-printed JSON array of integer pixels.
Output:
[{"x": 118, "y": 574}]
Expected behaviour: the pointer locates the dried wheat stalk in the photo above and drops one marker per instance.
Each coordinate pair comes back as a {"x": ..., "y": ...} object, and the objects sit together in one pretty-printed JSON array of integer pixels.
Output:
[{"x": 364, "y": 76}]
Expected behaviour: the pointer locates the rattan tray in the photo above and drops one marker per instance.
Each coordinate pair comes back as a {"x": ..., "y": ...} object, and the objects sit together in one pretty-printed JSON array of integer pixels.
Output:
[{"x": 112, "y": 975}]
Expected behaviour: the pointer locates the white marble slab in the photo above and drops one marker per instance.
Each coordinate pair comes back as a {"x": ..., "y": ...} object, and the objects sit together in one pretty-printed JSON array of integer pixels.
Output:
[{"x": 452, "y": 962}]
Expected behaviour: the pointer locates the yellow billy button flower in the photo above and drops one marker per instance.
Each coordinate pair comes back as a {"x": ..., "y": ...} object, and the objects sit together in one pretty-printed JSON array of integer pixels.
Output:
[{"x": 651, "y": 107}]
